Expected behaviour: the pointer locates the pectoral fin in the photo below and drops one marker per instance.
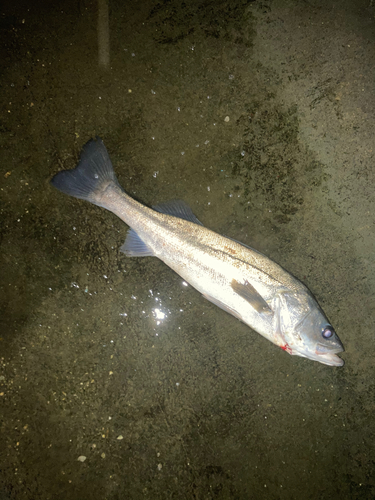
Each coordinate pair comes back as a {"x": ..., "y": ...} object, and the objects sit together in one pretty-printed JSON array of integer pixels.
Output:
[{"x": 248, "y": 292}]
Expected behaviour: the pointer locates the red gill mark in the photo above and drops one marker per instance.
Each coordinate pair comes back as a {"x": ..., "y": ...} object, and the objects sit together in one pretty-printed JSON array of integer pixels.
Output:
[{"x": 287, "y": 348}]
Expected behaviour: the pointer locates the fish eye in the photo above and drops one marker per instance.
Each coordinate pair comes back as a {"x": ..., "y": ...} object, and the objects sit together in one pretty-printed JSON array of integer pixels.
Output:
[{"x": 328, "y": 332}]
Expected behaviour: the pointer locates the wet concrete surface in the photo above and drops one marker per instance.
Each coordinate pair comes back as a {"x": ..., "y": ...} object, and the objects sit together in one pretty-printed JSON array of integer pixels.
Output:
[{"x": 117, "y": 380}]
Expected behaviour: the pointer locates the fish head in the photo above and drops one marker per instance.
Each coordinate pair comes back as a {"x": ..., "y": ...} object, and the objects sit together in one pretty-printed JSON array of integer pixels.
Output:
[{"x": 304, "y": 330}]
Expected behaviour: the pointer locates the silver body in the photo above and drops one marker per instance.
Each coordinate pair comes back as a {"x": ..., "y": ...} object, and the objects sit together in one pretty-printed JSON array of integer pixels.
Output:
[
  {"x": 210, "y": 262},
  {"x": 233, "y": 276}
]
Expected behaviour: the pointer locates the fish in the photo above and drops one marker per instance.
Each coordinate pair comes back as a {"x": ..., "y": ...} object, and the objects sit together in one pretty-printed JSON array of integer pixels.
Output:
[{"x": 233, "y": 276}]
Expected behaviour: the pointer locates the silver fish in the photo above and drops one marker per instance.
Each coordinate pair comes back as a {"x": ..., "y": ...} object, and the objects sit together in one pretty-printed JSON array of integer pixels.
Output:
[{"x": 235, "y": 277}]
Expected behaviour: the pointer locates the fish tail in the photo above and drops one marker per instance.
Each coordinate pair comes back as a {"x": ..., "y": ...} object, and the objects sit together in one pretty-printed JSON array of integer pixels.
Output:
[{"x": 91, "y": 176}]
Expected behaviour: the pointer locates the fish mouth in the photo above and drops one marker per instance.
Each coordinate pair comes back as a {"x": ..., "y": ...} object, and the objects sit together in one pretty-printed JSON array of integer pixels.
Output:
[
  {"x": 330, "y": 359},
  {"x": 325, "y": 357}
]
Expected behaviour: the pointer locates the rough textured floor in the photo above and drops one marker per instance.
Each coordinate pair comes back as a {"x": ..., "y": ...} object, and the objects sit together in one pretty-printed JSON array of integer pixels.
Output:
[{"x": 258, "y": 114}]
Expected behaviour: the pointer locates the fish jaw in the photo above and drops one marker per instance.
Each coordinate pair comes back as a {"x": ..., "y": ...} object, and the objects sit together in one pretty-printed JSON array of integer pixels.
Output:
[
  {"x": 328, "y": 358},
  {"x": 320, "y": 353}
]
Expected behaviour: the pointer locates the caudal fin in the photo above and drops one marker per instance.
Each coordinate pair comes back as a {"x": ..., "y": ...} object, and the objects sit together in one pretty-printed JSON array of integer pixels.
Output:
[{"x": 92, "y": 174}]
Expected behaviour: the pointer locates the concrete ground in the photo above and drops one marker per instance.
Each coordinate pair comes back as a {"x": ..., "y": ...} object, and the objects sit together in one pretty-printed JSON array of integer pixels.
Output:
[{"x": 117, "y": 381}]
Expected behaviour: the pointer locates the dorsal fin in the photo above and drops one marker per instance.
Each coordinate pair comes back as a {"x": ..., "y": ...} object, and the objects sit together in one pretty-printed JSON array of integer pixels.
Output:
[{"x": 177, "y": 208}]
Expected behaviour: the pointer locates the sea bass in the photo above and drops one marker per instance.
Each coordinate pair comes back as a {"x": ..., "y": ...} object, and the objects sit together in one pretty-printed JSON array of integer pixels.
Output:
[{"x": 233, "y": 276}]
